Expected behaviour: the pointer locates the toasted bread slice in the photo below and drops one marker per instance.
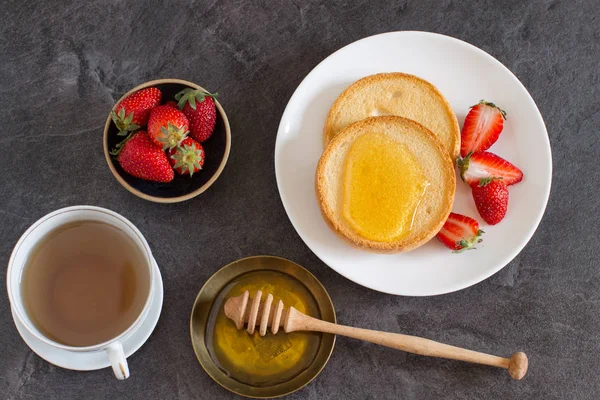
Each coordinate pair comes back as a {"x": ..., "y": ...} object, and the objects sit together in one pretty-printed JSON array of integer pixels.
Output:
[
  {"x": 434, "y": 161},
  {"x": 395, "y": 94}
]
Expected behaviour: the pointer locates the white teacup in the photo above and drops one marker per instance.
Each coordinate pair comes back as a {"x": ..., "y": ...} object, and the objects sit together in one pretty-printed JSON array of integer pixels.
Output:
[{"x": 31, "y": 237}]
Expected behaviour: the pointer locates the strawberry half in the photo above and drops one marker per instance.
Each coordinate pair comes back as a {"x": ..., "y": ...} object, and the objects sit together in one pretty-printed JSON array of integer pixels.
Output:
[
  {"x": 134, "y": 110},
  {"x": 482, "y": 127},
  {"x": 187, "y": 158},
  {"x": 460, "y": 233},
  {"x": 141, "y": 158},
  {"x": 199, "y": 107},
  {"x": 491, "y": 199},
  {"x": 167, "y": 126},
  {"x": 482, "y": 165}
]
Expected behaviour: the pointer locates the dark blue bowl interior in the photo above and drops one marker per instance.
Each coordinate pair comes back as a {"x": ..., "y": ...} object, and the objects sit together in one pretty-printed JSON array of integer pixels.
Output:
[{"x": 182, "y": 184}]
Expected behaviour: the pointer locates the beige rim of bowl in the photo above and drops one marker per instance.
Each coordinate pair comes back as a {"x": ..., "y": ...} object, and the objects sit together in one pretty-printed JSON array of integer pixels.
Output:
[{"x": 177, "y": 199}]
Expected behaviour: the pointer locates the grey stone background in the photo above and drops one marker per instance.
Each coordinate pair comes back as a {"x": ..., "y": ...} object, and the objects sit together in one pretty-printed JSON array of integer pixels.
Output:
[{"x": 64, "y": 63}]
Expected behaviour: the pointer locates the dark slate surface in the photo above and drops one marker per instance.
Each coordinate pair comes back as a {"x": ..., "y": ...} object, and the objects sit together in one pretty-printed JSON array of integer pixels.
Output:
[{"x": 63, "y": 63}]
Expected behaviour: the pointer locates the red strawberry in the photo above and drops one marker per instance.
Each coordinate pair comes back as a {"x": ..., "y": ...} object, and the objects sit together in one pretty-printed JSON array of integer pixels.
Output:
[
  {"x": 491, "y": 199},
  {"x": 188, "y": 157},
  {"x": 199, "y": 107},
  {"x": 133, "y": 111},
  {"x": 167, "y": 126},
  {"x": 171, "y": 103},
  {"x": 141, "y": 158},
  {"x": 476, "y": 166},
  {"x": 460, "y": 233},
  {"x": 482, "y": 126}
]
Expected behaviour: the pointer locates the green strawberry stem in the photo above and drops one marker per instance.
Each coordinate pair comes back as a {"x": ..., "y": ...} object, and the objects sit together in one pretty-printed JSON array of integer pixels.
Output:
[
  {"x": 469, "y": 244},
  {"x": 115, "y": 152},
  {"x": 172, "y": 136},
  {"x": 187, "y": 158},
  {"x": 486, "y": 181},
  {"x": 123, "y": 122},
  {"x": 463, "y": 164},
  {"x": 192, "y": 96}
]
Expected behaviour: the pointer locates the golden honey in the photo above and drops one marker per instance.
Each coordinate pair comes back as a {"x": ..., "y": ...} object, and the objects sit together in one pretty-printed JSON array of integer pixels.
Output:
[
  {"x": 383, "y": 186},
  {"x": 271, "y": 359}
]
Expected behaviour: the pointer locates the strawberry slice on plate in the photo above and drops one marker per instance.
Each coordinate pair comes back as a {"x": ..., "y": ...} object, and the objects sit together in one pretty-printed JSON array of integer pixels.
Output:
[
  {"x": 482, "y": 165},
  {"x": 482, "y": 127},
  {"x": 460, "y": 233}
]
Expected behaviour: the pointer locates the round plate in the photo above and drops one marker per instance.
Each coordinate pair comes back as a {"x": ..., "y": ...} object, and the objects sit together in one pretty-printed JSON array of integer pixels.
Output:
[
  {"x": 183, "y": 187},
  {"x": 98, "y": 360},
  {"x": 465, "y": 75},
  {"x": 219, "y": 281}
]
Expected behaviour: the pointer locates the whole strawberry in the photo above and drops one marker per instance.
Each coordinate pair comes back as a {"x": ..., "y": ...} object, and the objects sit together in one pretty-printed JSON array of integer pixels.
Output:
[
  {"x": 482, "y": 127},
  {"x": 141, "y": 158},
  {"x": 199, "y": 107},
  {"x": 491, "y": 199},
  {"x": 134, "y": 110},
  {"x": 167, "y": 126},
  {"x": 188, "y": 157}
]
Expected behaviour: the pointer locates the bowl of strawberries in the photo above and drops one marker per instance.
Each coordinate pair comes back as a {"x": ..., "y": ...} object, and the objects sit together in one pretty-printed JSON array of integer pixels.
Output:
[{"x": 167, "y": 140}]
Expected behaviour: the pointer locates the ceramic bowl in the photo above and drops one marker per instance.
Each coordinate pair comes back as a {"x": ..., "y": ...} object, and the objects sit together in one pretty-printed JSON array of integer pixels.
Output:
[{"x": 183, "y": 187}]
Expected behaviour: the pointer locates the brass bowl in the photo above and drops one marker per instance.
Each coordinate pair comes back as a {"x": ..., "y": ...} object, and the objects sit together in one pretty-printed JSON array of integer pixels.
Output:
[
  {"x": 206, "y": 300},
  {"x": 182, "y": 187}
]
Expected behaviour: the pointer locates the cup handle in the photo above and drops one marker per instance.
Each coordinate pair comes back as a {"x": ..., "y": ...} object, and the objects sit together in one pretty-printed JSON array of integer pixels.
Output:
[{"x": 118, "y": 360}]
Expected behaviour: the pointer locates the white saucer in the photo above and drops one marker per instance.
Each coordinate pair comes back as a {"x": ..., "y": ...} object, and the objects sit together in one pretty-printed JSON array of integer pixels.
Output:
[
  {"x": 98, "y": 360},
  {"x": 465, "y": 75}
]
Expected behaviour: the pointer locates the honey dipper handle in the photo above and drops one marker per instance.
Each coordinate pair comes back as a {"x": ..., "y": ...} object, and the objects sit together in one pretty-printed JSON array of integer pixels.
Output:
[{"x": 516, "y": 365}]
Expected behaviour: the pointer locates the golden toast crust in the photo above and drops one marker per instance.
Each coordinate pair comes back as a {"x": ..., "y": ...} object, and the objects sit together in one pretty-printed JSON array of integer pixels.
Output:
[{"x": 372, "y": 80}]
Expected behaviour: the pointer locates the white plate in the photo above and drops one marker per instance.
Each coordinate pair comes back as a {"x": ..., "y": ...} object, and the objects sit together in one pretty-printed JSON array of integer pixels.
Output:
[
  {"x": 98, "y": 360},
  {"x": 464, "y": 74}
]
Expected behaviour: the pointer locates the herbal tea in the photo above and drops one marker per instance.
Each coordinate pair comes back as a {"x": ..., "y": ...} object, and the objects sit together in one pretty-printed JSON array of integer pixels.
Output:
[{"x": 85, "y": 283}]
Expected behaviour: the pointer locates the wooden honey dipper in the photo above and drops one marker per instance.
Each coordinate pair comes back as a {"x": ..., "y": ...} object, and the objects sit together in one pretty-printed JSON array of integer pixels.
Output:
[{"x": 263, "y": 314}]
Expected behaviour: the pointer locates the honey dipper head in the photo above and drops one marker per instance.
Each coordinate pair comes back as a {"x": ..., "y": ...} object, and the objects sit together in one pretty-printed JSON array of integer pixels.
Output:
[
  {"x": 242, "y": 310},
  {"x": 235, "y": 308}
]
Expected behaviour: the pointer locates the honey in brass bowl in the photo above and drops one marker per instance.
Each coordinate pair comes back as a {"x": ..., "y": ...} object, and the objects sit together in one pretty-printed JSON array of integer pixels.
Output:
[
  {"x": 270, "y": 359},
  {"x": 251, "y": 365}
]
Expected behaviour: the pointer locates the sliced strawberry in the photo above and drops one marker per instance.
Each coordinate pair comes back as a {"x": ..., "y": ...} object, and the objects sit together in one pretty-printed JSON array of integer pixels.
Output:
[
  {"x": 460, "y": 233},
  {"x": 482, "y": 127},
  {"x": 491, "y": 199},
  {"x": 477, "y": 166}
]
